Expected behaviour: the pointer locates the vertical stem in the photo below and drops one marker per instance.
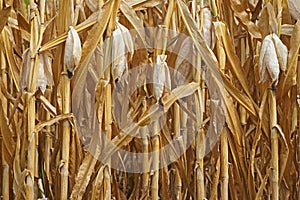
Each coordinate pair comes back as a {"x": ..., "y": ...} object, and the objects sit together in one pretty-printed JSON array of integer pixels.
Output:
[
  {"x": 224, "y": 164},
  {"x": 145, "y": 150},
  {"x": 30, "y": 109},
  {"x": 216, "y": 177},
  {"x": 66, "y": 94},
  {"x": 200, "y": 187},
  {"x": 200, "y": 110},
  {"x": 274, "y": 145},
  {"x": 145, "y": 176},
  {"x": 4, "y": 104},
  {"x": 108, "y": 131},
  {"x": 155, "y": 164},
  {"x": 298, "y": 130},
  {"x": 224, "y": 139},
  {"x": 48, "y": 142},
  {"x": 31, "y": 138},
  {"x": 176, "y": 128},
  {"x": 167, "y": 22},
  {"x": 108, "y": 102},
  {"x": 200, "y": 144},
  {"x": 243, "y": 112},
  {"x": 65, "y": 20},
  {"x": 30, "y": 102}
]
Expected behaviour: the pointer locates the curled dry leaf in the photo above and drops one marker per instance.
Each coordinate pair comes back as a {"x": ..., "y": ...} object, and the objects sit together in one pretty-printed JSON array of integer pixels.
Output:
[
  {"x": 161, "y": 76},
  {"x": 273, "y": 55},
  {"x": 122, "y": 45},
  {"x": 240, "y": 11},
  {"x": 294, "y": 6},
  {"x": 267, "y": 20},
  {"x": 73, "y": 51},
  {"x": 45, "y": 76}
]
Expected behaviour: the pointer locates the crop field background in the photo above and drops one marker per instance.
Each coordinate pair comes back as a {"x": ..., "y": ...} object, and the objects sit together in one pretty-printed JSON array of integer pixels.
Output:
[{"x": 150, "y": 99}]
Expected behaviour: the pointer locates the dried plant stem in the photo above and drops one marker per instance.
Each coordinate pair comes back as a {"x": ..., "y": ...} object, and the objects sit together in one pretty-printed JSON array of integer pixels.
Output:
[
  {"x": 167, "y": 23},
  {"x": 145, "y": 175},
  {"x": 298, "y": 130},
  {"x": 155, "y": 161},
  {"x": 214, "y": 190},
  {"x": 178, "y": 182},
  {"x": 30, "y": 102},
  {"x": 224, "y": 139},
  {"x": 31, "y": 114},
  {"x": 108, "y": 101},
  {"x": 66, "y": 130},
  {"x": 200, "y": 144},
  {"x": 243, "y": 112},
  {"x": 108, "y": 132},
  {"x": 5, "y": 178},
  {"x": 200, "y": 110},
  {"x": 107, "y": 108},
  {"x": 274, "y": 145},
  {"x": 4, "y": 104},
  {"x": 48, "y": 140},
  {"x": 224, "y": 164},
  {"x": 200, "y": 190}
]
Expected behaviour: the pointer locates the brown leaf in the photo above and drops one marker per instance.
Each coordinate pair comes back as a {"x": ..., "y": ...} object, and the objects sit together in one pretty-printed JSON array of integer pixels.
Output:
[
  {"x": 289, "y": 79},
  {"x": 134, "y": 20},
  {"x": 7, "y": 138},
  {"x": 142, "y": 4},
  {"x": 223, "y": 34},
  {"x": 244, "y": 18},
  {"x": 9, "y": 53},
  {"x": 294, "y": 6},
  {"x": 267, "y": 21},
  {"x": 4, "y": 14},
  {"x": 23, "y": 23},
  {"x": 83, "y": 176},
  {"x": 96, "y": 33}
]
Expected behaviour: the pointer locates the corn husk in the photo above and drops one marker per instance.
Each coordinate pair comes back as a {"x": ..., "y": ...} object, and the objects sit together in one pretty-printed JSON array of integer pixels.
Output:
[
  {"x": 161, "y": 77},
  {"x": 273, "y": 57},
  {"x": 73, "y": 51},
  {"x": 45, "y": 76},
  {"x": 122, "y": 47}
]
